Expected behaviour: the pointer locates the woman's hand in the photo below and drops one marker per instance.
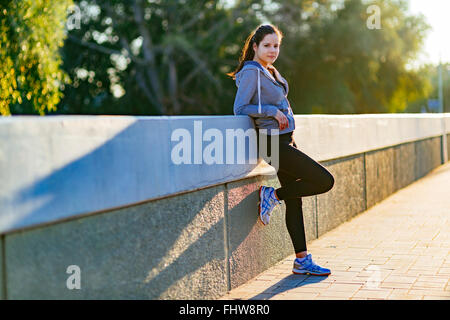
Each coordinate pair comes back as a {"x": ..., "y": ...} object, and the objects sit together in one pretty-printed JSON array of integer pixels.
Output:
[{"x": 282, "y": 120}]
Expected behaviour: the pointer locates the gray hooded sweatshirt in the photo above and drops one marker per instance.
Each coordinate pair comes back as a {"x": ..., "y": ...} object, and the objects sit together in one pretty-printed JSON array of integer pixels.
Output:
[{"x": 260, "y": 95}]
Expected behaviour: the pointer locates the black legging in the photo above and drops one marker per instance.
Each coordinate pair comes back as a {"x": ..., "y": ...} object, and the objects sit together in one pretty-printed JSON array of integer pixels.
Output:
[{"x": 299, "y": 176}]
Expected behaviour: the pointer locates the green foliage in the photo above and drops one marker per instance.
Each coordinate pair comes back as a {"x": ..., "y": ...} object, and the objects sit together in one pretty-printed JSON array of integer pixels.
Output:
[
  {"x": 338, "y": 65},
  {"x": 158, "y": 57},
  {"x": 170, "y": 57},
  {"x": 31, "y": 33},
  {"x": 430, "y": 73}
]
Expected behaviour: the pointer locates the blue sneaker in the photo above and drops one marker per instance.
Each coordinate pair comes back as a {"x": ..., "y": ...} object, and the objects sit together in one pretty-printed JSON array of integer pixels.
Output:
[
  {"x": 307, "y": 266},
  {"x": 267, "y": 201}
]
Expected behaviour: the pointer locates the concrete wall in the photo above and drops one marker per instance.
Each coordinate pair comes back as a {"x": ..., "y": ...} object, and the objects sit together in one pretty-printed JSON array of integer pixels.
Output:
[
  {"x": 2, "y": 271},
  {"x": 197, "y": 244},
  {"x": 448, "y": 145},
  {"x": 169, "y": 248}
]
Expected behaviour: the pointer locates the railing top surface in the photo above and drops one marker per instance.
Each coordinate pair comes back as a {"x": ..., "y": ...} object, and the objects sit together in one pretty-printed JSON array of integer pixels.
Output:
[{"x": 57, "y": 167}]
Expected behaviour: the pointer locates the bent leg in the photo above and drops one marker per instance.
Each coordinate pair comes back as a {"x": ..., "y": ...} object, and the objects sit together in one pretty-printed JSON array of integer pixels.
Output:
[{"x": 311, "y": 177}]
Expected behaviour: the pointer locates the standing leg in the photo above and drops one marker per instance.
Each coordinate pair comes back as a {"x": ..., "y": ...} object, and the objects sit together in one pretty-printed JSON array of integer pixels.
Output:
[
  {"x": 294, "y": 216},
  {"x": 300, "y": 176}
]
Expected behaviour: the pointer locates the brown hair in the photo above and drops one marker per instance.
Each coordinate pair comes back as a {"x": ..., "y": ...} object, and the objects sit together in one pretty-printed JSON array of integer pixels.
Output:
[{"x": 255, "y": 37}]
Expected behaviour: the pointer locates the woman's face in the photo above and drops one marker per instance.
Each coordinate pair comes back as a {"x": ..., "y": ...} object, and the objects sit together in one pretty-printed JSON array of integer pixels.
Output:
[{"x": 268, "y": 49}]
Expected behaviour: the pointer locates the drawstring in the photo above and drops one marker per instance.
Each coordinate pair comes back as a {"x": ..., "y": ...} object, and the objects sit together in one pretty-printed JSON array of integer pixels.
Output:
[{"x": 259, "y": 93}]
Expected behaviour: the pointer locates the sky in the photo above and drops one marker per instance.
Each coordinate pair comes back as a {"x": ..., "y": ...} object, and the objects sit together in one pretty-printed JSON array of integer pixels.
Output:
[{"x": 437, "y": 43}]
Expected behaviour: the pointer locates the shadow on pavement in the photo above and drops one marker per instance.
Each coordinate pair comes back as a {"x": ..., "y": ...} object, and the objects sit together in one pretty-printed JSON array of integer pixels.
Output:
[{"x": 288, "y": 283}]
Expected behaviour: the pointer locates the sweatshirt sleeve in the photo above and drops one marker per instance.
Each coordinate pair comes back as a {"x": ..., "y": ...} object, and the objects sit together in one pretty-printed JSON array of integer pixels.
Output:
[{"x": 246, "y": 90}]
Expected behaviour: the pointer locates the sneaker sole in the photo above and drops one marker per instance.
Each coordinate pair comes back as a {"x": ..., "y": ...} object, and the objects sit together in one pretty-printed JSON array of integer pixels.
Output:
[{"x": 311, "y": 273}]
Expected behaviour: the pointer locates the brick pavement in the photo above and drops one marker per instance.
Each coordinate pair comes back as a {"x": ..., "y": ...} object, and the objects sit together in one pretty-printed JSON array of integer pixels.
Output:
[{"x": 397, "y": 249}]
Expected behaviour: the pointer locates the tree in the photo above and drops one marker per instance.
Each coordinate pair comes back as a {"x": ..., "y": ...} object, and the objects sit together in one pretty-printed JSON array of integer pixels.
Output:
[
  {"x": 166, "y": 57},
  {"x": 31, "y": 33},
  {"x": 431, "y": 73},
  {"x": 339, "y": 65},
  {"x": 170, "y": 57}
]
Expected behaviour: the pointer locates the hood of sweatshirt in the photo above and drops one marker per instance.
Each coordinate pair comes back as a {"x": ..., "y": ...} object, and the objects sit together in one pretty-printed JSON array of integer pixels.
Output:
[
  {"x": 270, "y": 97},
  {"x": 248, "y": 65}
]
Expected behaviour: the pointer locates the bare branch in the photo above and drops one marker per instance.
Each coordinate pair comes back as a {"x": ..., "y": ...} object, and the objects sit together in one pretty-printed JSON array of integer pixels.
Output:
[
  {"x": 173, "y": 83},
  {"x": 147, "y": 51},
  {"x": 93, "y": 46},
  {"x": 102, "y": 49},
  {"x": 140, "y": 79}
]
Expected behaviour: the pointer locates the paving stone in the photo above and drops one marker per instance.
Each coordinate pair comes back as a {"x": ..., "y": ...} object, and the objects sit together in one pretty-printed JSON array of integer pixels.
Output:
[
  {"x": 299, "y": 296},
  {"x": 429, "y": 292},
  {"x": 381, "y": 293}
]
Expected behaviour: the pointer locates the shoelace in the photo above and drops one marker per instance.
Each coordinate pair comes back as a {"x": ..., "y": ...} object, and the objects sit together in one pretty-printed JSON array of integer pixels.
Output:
[
  {"x": 270, "y": 201},
  {"x": 273, "y": 199},
  {"x": 309, "y": 264}
]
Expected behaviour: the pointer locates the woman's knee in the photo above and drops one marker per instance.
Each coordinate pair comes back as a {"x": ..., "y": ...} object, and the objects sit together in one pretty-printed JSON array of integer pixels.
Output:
[
  {"x": 326, "y": 181},
  {"x": 328, "y": 185}
]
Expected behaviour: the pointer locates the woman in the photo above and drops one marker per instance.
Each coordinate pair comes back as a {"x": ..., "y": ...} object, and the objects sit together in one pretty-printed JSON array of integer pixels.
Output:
[{"x": 262, "y": 95}]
